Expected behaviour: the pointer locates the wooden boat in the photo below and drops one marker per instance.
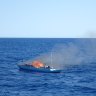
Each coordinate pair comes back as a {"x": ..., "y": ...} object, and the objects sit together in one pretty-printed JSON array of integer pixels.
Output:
[
  {"x": 38, "y": 66},
  {"x": 41, "y": 69}
]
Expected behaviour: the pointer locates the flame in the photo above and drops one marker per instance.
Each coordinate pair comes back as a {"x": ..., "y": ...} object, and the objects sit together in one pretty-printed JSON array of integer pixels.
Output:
[{"x": 37, "y": 64}]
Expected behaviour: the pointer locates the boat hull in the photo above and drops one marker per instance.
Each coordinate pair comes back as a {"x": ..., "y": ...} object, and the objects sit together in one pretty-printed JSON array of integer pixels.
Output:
[{"x": 31, "y": 68}]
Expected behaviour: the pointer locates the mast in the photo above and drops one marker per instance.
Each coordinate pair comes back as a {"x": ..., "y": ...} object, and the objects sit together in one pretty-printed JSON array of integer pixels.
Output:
[{"x": 51, "y": 58}]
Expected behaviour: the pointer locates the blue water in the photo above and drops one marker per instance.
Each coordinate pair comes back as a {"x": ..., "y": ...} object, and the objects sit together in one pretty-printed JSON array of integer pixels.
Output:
[{"x": 74, "y": 80}]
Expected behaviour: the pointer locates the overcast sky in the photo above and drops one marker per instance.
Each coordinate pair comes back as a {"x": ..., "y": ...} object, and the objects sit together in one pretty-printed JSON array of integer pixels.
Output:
[{"x": 48, "y": 18}]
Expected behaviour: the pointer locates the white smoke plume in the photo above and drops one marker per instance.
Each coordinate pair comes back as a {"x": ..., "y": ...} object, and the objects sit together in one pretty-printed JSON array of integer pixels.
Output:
[
  {"x": 90, "y": 34},
  {"x": 62, "y": 55}
]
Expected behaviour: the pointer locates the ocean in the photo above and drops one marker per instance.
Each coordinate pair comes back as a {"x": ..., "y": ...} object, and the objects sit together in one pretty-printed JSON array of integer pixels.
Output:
[{"x": 76, "y": 58}]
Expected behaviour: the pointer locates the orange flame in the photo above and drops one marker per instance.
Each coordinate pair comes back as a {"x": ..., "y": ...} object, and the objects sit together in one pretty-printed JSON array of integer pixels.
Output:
[{"x": 37, "y": 64}]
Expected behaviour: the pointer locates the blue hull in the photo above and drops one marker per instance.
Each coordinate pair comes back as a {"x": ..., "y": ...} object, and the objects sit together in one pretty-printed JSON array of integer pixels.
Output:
[{"x": 45, "y": 70}]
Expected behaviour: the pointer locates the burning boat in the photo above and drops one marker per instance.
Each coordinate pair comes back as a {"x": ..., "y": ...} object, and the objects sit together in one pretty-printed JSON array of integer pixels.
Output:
[{"x": 38, "y": 66}]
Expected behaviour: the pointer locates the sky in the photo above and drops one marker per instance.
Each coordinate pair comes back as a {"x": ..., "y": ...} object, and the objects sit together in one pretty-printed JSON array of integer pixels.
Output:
[{"x": 48, "y": 18}]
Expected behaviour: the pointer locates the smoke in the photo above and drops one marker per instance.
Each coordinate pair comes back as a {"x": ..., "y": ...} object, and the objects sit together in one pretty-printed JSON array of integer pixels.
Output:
[
  {"x": 90, "y": 34},
  {"x": 80, "y": 52}
]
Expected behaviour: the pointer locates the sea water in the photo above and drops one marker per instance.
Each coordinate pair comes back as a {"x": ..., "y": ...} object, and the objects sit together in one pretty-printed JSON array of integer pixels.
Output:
[{"x": 77, "y": 57}]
